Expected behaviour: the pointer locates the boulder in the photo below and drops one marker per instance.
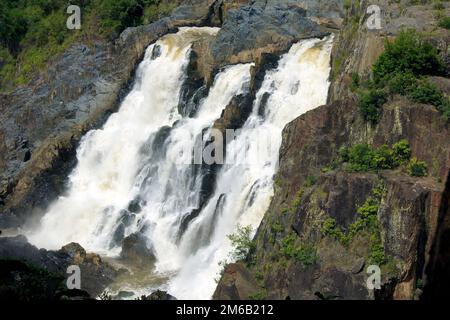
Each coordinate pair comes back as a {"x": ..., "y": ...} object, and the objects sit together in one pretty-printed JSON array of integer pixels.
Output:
[
  {"x": 96, "y": 274},
  {"x": 158, "y": 295},
  {"x": 136, "y": 251}
]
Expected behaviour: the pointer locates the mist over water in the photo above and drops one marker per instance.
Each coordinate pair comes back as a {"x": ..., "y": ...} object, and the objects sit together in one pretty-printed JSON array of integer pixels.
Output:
[{"x": 129, "y": 177}]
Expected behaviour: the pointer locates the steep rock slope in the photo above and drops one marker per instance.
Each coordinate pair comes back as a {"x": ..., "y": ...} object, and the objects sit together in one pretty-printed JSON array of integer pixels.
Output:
[
  {"x": 299, "y": 254},
  {"x": 28, "y": 273}
]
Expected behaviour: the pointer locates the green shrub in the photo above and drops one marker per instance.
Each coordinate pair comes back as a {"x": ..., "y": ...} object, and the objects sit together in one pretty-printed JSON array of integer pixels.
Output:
[
  {"x": 344, "y": 154},
  {"x": 409, "y": 53},
  {"x": 401, "y": 69},
  {"x": 367, "y": 221},
  {"x": 438, "y": 6},
  {"x": 304, "y": 253},
  {"x": 288, "y": 245},
  {"x": 377, "y": 255},
  {"x": 37, "y": 28},
  {"x": 119, "y": 14},
  {"x": 259, "y": 295},
  {"x": 417, "y": 168},
  {"x": 330, "y": 228},
  {"x": 242, "y": 242},
  {"x": 444, "y": 23},
  {"x": 362, "y": 157},
  {"x": 444, "y": 108},
  {"x": 276, "y": 227},
  {"x": 383, "y": 158},
  {"x": 401, "y": 83},
  {"x": 402, "y": 152},
  {"x": 297, "y": 200},
  {"x": 355, "y": 82},
  {"x": 155, "y": 12},
  {"x": 427, "y": 93},
  {"x": 310, "y": 181},
  {"x": 370, "y": 104}
]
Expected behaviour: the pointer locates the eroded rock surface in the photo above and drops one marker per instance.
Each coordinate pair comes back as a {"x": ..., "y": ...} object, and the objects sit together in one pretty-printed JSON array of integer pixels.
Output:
[{"x": 96, "y": 274}]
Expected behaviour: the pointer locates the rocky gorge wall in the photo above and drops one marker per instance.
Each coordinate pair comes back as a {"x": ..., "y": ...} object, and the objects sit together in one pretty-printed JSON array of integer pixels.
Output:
[
  {"x": 42, "y": 124},
  {"x": 295, "y": 255}
]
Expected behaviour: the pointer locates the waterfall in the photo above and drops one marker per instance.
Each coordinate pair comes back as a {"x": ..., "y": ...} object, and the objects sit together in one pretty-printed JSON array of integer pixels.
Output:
[
  {"x": 135, "y": 174},
  {"x": 299, "y": 84}
]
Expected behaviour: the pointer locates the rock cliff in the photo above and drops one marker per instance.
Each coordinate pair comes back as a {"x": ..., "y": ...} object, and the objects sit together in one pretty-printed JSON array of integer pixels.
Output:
[
  {"x": 298, "y": 254},
  {"x": 302, "y": 247}
]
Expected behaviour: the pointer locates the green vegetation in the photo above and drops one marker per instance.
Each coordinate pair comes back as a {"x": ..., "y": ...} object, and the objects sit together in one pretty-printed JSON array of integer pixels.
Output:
[
  {"x": 370, "y": 103},
  {"x": 362, "y": 157},
  {"x": 408, "y": 53},
  {"x": 402, "y": 69},
  {"x": 444, "y": 23},
  {"x": 297, "y": 200},
  {"x": 355, "y": 82},
  {"x": 34, "y": 31},
  {"x": 310, "y": 181},
  {"x": 242, "y": 243},
  {"x": 259, "y": 295},
  {"x": 426, "y": 92},
  {"x": 276, "y": 227},
  {"x": 304, "y": 253},
  {"x": 366, "y": 221},
  {"x": 417, "y": 168}
]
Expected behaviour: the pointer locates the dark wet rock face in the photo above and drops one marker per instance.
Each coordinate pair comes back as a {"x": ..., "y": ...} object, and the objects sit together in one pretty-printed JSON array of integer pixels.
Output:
[
  {"x": 412, "y": 214},
  {"x": 158, "y": 295},
  {"x": 261, "y": 27},
  {"x": 237, "y": 283},
  {"x": 51, "y": 266},
  {"x": 136, "y": 252}
]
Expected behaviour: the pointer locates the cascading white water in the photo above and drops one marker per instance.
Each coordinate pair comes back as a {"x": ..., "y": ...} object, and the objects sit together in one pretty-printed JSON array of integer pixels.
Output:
[
  {"x": 136, "y": 157},
  {"x": 104, "y": 181},
  {"x": 299, "y": 84}
]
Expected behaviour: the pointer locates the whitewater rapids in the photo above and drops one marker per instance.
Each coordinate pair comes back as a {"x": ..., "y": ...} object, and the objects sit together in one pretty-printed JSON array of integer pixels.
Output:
[{"x": 135, "y": 159}]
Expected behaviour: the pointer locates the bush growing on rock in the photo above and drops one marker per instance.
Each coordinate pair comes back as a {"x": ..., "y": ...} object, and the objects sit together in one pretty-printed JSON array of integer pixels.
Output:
[
  {"x": 409, "y": 53},
  {"x": 417, "y": 168},
  {"x": 304, "y": 253},
  {"x": 366, "y": 221},
  {"x": 362, "y": 157},
  {"x": 402, "y": 151},
  {"x": 242, "y": 242},
  {"x": 444, "y": 23},
  {"x": 401, "y": 83},
  {"x": 401, "y": 69},
  {"x": 427, "y": 93},
  {"x": 370, "y": 104}
]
